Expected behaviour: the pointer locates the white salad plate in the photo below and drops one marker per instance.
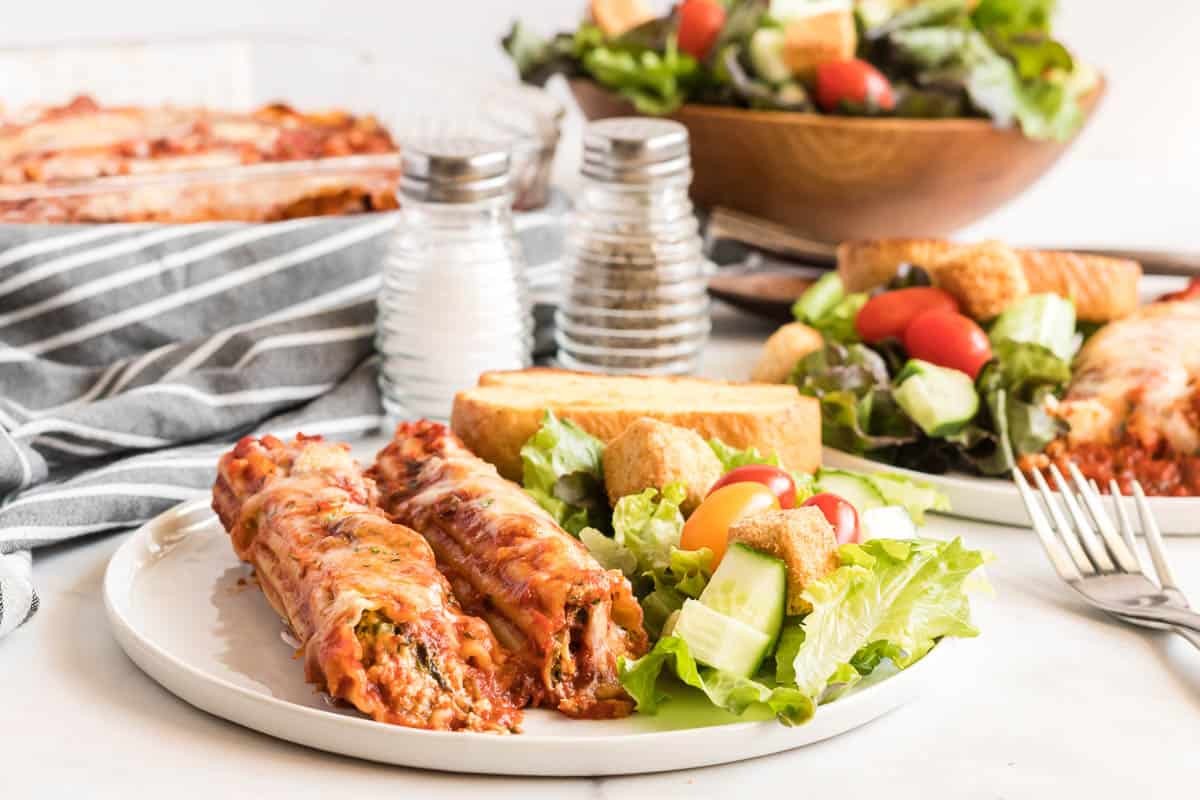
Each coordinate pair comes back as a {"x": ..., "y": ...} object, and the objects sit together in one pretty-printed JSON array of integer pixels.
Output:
[
  {"x": 186, "y": 611},
  {"x": 996, "y": 500}
]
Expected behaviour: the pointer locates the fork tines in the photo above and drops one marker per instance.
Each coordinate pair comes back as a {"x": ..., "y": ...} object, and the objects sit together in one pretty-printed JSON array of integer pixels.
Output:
[{"x": 1092, "y": 542}]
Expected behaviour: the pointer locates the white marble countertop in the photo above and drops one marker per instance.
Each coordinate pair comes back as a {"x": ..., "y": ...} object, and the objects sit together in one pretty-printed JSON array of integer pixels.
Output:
[{"x": 1053, "y": 700}]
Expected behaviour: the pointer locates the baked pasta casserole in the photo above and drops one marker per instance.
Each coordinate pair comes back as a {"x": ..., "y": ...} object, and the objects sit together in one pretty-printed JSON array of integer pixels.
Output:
[{"x": 84, "y": 162}]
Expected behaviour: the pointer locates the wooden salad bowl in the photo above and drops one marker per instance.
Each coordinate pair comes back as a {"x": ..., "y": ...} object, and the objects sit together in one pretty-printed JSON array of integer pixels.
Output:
[{"x": 836, "y": 178}]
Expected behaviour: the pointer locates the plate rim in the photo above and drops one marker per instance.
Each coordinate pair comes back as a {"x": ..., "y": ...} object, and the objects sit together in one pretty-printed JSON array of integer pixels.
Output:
[
  {"x": 997, "y": 488},
  {"x": 122, "y": 568}
]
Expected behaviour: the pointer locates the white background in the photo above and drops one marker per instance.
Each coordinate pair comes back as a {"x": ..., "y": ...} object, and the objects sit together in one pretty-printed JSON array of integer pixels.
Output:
[{"x": 1149, "y": 49}]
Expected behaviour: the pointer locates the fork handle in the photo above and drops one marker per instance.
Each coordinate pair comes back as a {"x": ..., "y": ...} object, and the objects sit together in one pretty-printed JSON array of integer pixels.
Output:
[
  {"x": 1184, "y": 621},
  {"x": 1190, "y": 635}
]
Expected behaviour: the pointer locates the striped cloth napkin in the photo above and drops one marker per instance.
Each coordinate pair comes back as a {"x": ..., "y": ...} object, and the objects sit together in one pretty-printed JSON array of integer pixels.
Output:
[{"x": 131, "y": 355}]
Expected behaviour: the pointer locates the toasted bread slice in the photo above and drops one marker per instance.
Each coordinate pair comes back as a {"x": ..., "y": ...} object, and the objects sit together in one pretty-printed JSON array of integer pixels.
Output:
[
  {"x": 866, "y": 264},
  {"x": 1102, "y": 288},
  {"x": 499, "y": 415}
]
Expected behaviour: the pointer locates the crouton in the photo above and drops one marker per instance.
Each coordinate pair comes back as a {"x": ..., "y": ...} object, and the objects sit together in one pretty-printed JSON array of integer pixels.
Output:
[
  {"x": 615, "y": 17},
  {"x": 783, "y": 349},
  {"x": 985, "y": 278},
  {"x": 652, "y": 454},
  {"x": 801, "y": 537},
  {"x": 865, "y": 265},
  {"x": 811, "y": 41}
]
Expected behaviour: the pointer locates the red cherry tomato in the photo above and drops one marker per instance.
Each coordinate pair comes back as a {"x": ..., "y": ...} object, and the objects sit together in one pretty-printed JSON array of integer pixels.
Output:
[
  {"x": 855, "y": 83},
  {"x": 887, "y": 315},
  {"x": 840, "y": 514},
  {"x": 708, "y": 526},
  {"x": 775, "y": 479},
  {"x": 948, "y": 339},
  {"x": 1190, "y": 292},
  {"x": 700, "y": 22}
]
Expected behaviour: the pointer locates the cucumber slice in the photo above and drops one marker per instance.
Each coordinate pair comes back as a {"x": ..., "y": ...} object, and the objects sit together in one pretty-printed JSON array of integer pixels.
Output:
[
  {"x": 749, "y": 586},
  {"x": 857, "y": 490},
  {"x": 889, "y": 522},
  {"x": 820, "y": 298},
  {"x": 940, "y": 400},
  {"x": 1045, "y": 319},
  {"x": 721, "y": 642},
  {"x": 766, "y": 55}
]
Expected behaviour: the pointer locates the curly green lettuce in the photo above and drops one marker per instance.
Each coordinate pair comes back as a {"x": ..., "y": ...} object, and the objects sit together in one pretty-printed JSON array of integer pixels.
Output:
[
  {"x": 645, "y": 547},
  {"x": 562, "y": 468},
  {"x": 889, "y": 603},
  {"x": 890, "y": 598},
  {"x": 730, "y": 692}
]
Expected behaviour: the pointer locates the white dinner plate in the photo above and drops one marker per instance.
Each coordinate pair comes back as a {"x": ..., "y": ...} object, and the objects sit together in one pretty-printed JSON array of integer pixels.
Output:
[
  {"x": 186, "y": 611},
  {"x": 996, "y": 500}
]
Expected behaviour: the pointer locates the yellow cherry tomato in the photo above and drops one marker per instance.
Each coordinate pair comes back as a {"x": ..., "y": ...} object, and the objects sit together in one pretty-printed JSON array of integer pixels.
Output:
[{"x": 709, "y": 524}]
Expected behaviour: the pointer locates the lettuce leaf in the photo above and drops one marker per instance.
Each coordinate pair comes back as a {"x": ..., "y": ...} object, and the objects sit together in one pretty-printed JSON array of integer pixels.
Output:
[
  {"x": 645, "y": 547},
  {"x": 890, "y": 598},
  {"x": 1000, "y": 57},
  {"x": 1042, "y": 319},
  {"x": 889, "y": 602},
  {"x": 732, "y": 693},
  {"x": 562, "y": 469},
  {"x": 649, "y": 524},
  {"x": 917, "y": 497},
  {"x": 858, "y": 410},
  {"x": 826, "y": 307},
  {"x": 1015, "y": 16},
  {"x": 538, "y": 58},
  {"x": 731, "y": 458},
  {"x": 1025, "y": 367},
  {"x": 643, "y": 65},
  {"x": 1015, "y": 388}
]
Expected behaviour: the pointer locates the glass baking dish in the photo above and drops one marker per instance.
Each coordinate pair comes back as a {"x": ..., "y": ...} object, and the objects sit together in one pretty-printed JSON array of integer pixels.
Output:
[{"x": 243, "y": 74}]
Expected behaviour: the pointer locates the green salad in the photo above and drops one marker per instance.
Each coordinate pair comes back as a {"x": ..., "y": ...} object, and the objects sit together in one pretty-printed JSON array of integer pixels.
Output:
[
  {"x": 995, "y": 59},
  {"x": 906, "y": 380},
  {"x": 725, "y": 617}
]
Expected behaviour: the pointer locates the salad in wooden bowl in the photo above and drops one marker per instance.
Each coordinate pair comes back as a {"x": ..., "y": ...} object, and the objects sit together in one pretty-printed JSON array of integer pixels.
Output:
[{"x": 842, "y": 119}]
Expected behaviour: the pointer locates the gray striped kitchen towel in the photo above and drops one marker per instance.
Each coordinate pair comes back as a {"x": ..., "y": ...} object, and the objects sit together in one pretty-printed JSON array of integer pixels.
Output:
[{"x": 131, "y": 355}]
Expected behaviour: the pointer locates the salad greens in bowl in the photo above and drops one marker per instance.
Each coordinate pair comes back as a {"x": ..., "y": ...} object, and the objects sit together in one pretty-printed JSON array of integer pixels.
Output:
[
  {"x": 840, "y": 119},
  {"x": 834, "y": 581},
  {"x": 995, "y": 59}
]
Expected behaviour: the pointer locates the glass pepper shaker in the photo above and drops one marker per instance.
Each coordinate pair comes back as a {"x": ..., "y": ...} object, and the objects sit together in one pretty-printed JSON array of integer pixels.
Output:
[
  {"x": 636, "y": 297},
  {"x": 454, "y": 301}
]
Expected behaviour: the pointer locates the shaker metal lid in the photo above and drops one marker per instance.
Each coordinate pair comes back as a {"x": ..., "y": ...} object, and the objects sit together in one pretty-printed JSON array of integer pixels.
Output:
[
  {"x": 635, "y": 149},
  {"x": 454, "y": 170}
]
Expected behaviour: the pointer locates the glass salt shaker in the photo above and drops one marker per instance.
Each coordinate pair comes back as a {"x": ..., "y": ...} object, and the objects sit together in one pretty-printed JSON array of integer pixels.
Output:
[
  {"x": 636, "y": 297},
  {"x": 454, "y": 301}
]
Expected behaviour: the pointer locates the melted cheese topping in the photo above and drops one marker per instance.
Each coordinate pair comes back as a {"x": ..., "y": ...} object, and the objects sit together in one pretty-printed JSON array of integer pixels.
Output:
[
  {"x": 378, "y": 625},
  {"x": 567, "y": 618},
  {"x": 1137, "y": 377}
]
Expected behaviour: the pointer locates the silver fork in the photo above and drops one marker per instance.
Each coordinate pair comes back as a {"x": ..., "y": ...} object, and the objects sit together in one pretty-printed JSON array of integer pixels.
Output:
[{"x": 1088, "y": 553}]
